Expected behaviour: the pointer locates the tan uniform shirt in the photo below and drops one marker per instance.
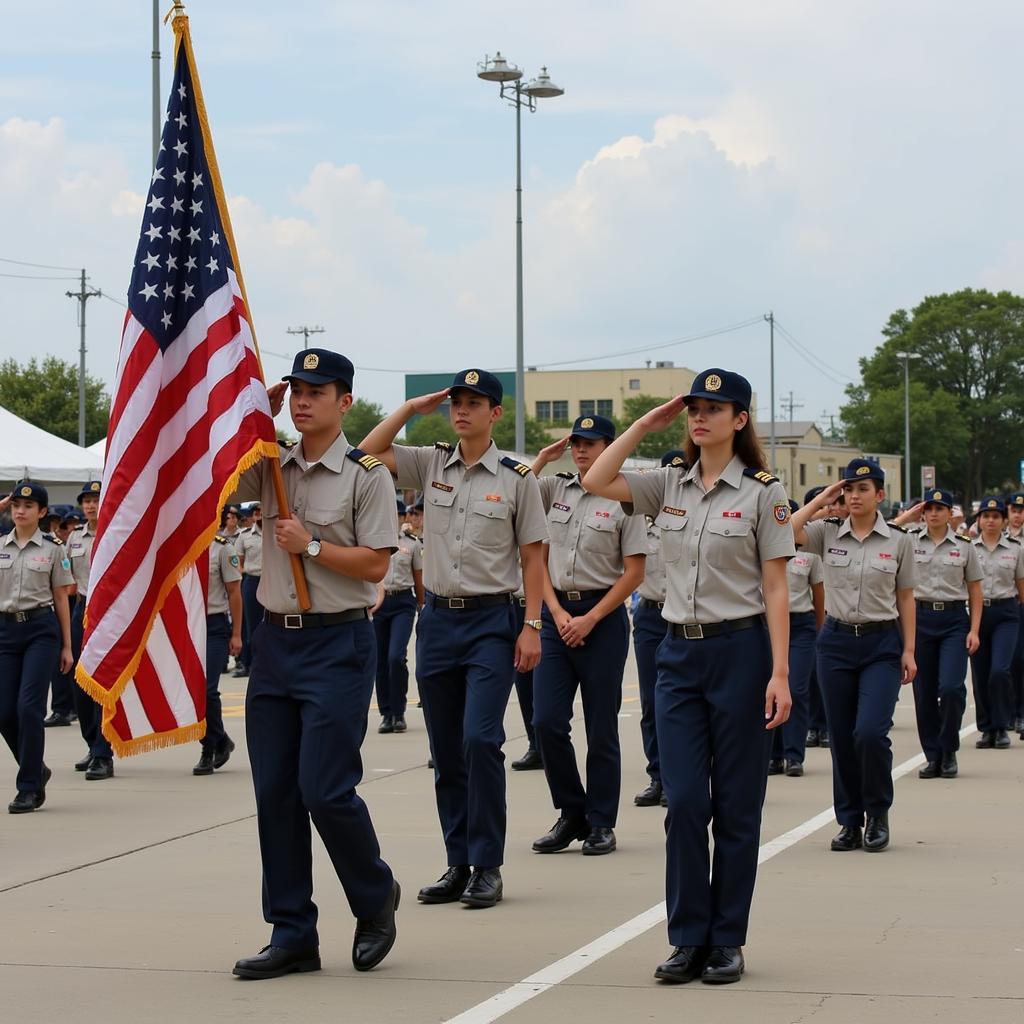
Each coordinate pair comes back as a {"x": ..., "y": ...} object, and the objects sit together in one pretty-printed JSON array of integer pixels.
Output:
[
  {"x": 944, "y": 569},
  {"x": 862, "y": 577},
  {"x": 653, "y": 586},
  {"x": 250, "y": 547},
  {"x": 337, "y": 499},
  {"x": 407, "y": 559},
  {"x": 590, "y": 535},
  {"x": 79, "y": 550},
  {"x": 223, "y": 569},
  {"x": 474, "y": 518},
  {"x": 713, "y": 542},
  {"x": 29, "y": 575},
  {"x": 803, "y": 571},
  {"x": 231, "y": 538},
  {"x": 1002, "y": 567}
]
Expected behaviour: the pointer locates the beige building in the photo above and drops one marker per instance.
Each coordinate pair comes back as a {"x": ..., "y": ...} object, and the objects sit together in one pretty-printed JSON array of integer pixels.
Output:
[{"x": 805, "y": 459}]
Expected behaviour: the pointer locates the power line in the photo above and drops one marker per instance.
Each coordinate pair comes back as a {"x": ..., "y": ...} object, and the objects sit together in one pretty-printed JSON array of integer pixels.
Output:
[
  {"x": 38, "y": 266},
  {"x": 39, "y": 277},
  {"x": 819, "y": 364}
]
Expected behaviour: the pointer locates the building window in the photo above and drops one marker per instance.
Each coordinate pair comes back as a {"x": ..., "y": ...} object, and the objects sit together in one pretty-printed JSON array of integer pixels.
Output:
[
  {"x": 587, "y": 407},
  {"x": 543, "y": 412},
  {"x": 604, "y": 407},
  {"x": 803, "y": 474},
  {"x": 634, "y": 383},
  {"x": 560, "y": 410}
]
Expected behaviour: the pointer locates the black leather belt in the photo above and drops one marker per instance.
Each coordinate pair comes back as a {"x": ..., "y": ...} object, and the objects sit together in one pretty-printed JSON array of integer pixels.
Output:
[
  {"x": 315, "y": 620},
  {"x": 30, "y": 613},
  {"x": 942, "y": 606},
  {"x": 404, "y": 590},
  {"x": 703, "y": 630},
  {"x": 581, "y": 595},
  {"x": 465, "y": 603},
  {"x": 861, "y": 628},
  {"x": 990, "y": 601},
  {"x": 646, "y": 602}
]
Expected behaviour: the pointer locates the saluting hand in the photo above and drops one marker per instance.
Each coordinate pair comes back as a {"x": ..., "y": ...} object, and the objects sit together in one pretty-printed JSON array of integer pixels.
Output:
[
  {"x": 663, "y": 416},
  {"x": 276, "y": 395},
  {"x": 553, "y": 452},
  {"x": 426, "y": 404},
  {"x": 291, "y": 535}
]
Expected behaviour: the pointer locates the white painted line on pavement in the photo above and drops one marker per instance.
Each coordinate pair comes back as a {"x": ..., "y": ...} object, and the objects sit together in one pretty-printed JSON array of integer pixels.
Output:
[{"x": 546, "y": 978}]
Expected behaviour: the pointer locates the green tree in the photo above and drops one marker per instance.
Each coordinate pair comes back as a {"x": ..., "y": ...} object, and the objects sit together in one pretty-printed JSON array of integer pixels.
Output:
[
  {"x": 504, "y": 433},
  {"x": 425, "y": 430},
  {"x": 653, "y": 446},
  {"x": 361, "y": 418},
  {"x": 966, "y": 395},
  {"x": 46, "y": 395}
]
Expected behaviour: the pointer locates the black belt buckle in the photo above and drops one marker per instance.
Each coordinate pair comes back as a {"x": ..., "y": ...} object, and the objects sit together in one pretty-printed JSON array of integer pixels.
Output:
[
  {"x": 293, "y": 620},
  {"x": 522, "y": 602},
  {"x": 938, "y": 606},
  {"x": 456, "y": 602},
  {"x": 693, "y": 631},
  {"x": 573, "y": 595},
  {"x": 987, "y": 602},
  {"x": 21, "y": 616}
]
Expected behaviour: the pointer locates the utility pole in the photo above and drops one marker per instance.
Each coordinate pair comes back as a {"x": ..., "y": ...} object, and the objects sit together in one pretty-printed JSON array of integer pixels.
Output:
[
  {"x": 83, "y": 295},
  {"x": 789, "y": 405},
  {"x": 770, "y": 317},
  {"x": 305, "y": 332}
]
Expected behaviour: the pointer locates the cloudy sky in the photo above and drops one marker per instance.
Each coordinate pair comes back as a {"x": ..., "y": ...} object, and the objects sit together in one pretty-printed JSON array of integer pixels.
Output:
[{"x": 709, "y": 162}]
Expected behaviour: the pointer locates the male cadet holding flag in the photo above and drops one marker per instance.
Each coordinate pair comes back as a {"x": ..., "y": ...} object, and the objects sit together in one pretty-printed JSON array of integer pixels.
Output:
[
  {"x": 480, "y": 507},
  {"x": 313, "y": 672}
]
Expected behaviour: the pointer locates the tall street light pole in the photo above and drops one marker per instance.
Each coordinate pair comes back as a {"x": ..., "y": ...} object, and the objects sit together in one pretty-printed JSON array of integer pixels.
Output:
[
  {"x": 156, "y": 80},
  {"x": 770, "y": 317},
  {"x": 497, "y": 69},
  {"x": 906, "y": 357},
  {"x": 83, "y": 295}
]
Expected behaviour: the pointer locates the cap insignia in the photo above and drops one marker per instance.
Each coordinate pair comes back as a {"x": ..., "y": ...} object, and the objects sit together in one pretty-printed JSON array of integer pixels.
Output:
[
  {"x": 937, "y": 496},
  {"x": 991, "y": 504},
  {"x": 472, "y": 377},
  {"x": 311, "y": 362},
  {"x": 26, "y": 492},
  {"x": 712, "y": 382},
  {"x": 863, "y": 470},
  {"x": 586, "y": 424}
]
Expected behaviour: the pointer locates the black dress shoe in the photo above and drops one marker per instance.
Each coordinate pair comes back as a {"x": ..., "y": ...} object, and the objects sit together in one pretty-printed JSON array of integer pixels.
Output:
[
  {"x": 240, "y": 673},
  {"x": 83, "y": 765},
  {"x": 794, "y": 769},
  {"x": 100, "y": 768},
  {"x": 649, "y": 797},
  {"x": 376, "y": 935},
  {"x": 23, "y": 803},
  {"x": 950, "y": 769},
  {"x": 776, "y": 766},
  {"x": 387, "y": 724},
  {"x": 986, "y": 741},
  {"x": 563, "y": 832},
  {"x": 929, "y": 771},
  {"x": 600, "y": 840},
  {"x": 876, "y": 834},
  {"x": 54, "y": 718},
  {"x": 448, "y": 888},
  {"x": 812, "y": 738},
  {"x": 849, "y": 837},
  {"x": 484, "y": 888},
  {"x": 824, "y": 740},
  {"x": 530, "y": 761},
  {"x": 685, "y": 964},
  {"x": 204, "y": 766},
  {"x": 1001, "y": 740},
  {"x": 41, "y": 794},
  {"x": 223, "y": 752},
  {"x": 399, "y": 723},
  {"x": 724, "y": 965},
  {"x": 276, "y": 961}
]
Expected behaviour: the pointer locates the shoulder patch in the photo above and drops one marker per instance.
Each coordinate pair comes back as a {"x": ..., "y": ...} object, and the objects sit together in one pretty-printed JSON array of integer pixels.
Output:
[
  {"x": 519, "y": 467},
  {"x": 366, "y": 461},
  {"x": 566, "y": 476},
  {"x": 898, "y": 529},
  {"x": 445, "y": 446},
  {"x": 834, "y": 520},
  {"x": 218, "y": 539},
  {"x": 53, "y": 538},
  {"x": 1012, "y": 540},
  {"x": 760, "y": 476}
]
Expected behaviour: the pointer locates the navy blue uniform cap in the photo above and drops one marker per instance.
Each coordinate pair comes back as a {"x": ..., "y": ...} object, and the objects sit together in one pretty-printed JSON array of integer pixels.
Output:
[
  {"x": 593, "y": 428},
  {"x": 31, "y": 490},
  {"x": 992, "y": 503},
  {"x": 321, "y": 366},
  {"x": 721, "y": 386},
  {"x": 864, "y": 469},
  {"x": 812, "y": 494},
  {"x": 90, "y": 489},
  {"x": 480, "y": 381},
  {"x": 1016, "y": 499},
  {"x": 939, "y": 497}
]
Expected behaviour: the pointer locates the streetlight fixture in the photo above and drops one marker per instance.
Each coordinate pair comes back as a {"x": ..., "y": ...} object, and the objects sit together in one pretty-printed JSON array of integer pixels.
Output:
[
  {"x": 906, "y": 357},
  {"x": 518, "y": 95}
]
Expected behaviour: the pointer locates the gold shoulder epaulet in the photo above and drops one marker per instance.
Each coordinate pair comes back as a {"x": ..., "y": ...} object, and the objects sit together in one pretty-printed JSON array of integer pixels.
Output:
[
  {"x": 366, "y": 461},
  {"x": 521, "y": 468},
  {"x": 566, "y": 476},
  {"x": 445, "y": 446},
  {"x": 760, "y": 475},
  {"x": 218, "y": 539},
  {"x": 53, "y": 537},
  {"x": 834, "y": 520}
]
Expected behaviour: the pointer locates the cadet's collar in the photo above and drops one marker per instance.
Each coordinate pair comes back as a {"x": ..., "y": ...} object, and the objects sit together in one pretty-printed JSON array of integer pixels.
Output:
[
  {"x": 880, "y": 527},
  {"x": 732, "y": 474},
  {"x": 36, "y": 538},
  {"x": 332, "y": 459},
  {"x": 489, "y": 460},
  {"x": 1003, "y": 540},
  {"x": 576, "y": 481}
]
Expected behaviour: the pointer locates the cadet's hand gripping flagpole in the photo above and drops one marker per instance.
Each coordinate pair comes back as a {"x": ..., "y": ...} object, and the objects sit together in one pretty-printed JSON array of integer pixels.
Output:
[{"x": 181, "y": 31}]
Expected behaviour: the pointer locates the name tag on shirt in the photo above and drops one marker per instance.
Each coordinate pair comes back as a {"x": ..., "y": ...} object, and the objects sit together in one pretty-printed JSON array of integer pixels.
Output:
[
  {"x": 732, "y": 515},
  {"x": 674, "y": 511},
  {"x": 885, "y": 554},
  {"x": 837, "y": 551},
  {"x": 561, "y": 507},
  {"x": 603, "y": 515},
  {"x": 440, "y": 486}
]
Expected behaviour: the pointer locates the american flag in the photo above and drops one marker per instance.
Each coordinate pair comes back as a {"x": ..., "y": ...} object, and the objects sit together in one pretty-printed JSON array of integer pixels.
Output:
[{"x": 190, "y": 412}]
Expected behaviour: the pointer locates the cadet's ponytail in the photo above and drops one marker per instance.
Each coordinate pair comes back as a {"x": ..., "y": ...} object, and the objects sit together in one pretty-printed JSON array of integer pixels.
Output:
[{"x": 745, "y": 444}]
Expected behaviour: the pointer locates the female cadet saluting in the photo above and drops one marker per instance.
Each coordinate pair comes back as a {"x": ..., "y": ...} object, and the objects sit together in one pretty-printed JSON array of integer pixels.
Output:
[
  {"x": 1002, "y": 562},
  {"x": 722, "y": 676},
  {"x": 35, "y": 635},
  {"x": 862, "y": 660},
  {"x": 948, "y": 574}
]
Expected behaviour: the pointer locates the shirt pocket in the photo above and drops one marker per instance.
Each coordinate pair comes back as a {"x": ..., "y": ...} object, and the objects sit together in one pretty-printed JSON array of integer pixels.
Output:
[
  {"x": 836, "y": 568},
  {"x": 802, "y": 569},
  {"x": 673, "y": 536},
  {"x": 729, "y": 542},
  {"x": 558, "y": 525},
  {"x": 601, "y": 536},
  {"x": 438, "y": 510},
  {"x": 329, "y": 523},
  {"x": 39, "y": 563},
  {"x": 488, "y": 522},
  {"x": 886, "y": 565}
]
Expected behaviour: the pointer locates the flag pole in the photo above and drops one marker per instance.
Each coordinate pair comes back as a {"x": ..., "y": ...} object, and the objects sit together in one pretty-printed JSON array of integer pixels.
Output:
[{"x": 183, "y": 38}]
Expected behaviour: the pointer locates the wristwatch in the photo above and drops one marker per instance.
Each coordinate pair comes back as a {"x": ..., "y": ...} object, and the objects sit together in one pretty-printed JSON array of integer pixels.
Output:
[
  {"x": 313, "y": 547},
  {"x": 533, "y": 624}
]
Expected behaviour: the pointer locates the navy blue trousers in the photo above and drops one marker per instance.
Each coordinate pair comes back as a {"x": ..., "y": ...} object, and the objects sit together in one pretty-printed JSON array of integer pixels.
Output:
[
  {"x": 218, "y": 631},
  {"x": 648, "y": 632},
  {"x": 940, "y": 689},
  {"x": 714, "y": 766},
  {"x": 62, "y": 691},
  {"x": 1017, "y": 674},
  {"x": 789, "y": 741},
  {"x": 90, "y": 714},
  {"x": 860, "y": 679},
  {"x": 28, "y": 653},
  {"x": 816, "y": 719},
  {"x": 524, "y": 681},
  {"x": 990, "y": 665},
  {"x": 596, "y": 670},
  {"x": 464, "y": 669},
  {"x": 252, "y": 616},
  {"x": 392, "y": 624},
  {"x": 305, "y": 709}
]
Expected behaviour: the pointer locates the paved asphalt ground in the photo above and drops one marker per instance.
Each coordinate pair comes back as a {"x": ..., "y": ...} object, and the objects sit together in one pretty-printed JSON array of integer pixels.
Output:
[{"x": 130, "y": 900}]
